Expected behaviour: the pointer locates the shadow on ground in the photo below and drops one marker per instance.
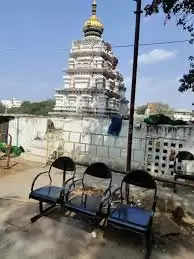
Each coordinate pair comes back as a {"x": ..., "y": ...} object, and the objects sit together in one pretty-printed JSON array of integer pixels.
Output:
[{"x": 61, "y": 236}]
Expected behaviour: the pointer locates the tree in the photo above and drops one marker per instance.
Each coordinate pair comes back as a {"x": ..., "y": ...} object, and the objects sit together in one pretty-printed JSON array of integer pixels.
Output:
[
  {"x": 2, "y": 108},
  {"x": 141, "y": 109},
  {"x": 34, "y": 108},
  {"x": 187, "y": 81},
  {"x": 183, "y": 10}
]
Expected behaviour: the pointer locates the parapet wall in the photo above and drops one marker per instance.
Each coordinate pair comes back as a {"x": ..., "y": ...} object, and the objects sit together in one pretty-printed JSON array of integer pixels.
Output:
[{"x": 86, "y": 140}]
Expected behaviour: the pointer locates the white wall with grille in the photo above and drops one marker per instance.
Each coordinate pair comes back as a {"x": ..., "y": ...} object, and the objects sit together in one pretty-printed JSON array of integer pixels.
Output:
[{"x": 86, "y": 140}]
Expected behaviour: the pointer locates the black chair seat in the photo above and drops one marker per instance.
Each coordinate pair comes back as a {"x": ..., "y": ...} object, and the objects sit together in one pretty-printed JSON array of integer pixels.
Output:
[
  {"x": 90, "y": 208},
  {"x": 50, "y": 194},
  {"x": 131, "y": 217},
  {"x": 85, "y": 199}
]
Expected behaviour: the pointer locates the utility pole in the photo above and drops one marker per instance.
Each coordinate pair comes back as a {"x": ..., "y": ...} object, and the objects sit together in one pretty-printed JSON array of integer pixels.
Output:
[{"x": 133, "y": 85}]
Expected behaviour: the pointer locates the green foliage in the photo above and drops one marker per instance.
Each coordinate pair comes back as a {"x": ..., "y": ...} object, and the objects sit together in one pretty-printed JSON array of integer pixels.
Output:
[
  {"x": 2, "y": 108},
  {"x": 187, "y": 81},
  {"x": 141, "y": 109},
  {"x": 16, "y": 151},
  {"x": 34, "y": 108},
  {"x": 183, "y": 10},
  {"x": 162, "y": 119}
]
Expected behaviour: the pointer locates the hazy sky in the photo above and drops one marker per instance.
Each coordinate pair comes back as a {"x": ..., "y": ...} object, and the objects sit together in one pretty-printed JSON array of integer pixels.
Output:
[{"x": 36, "y": 36}]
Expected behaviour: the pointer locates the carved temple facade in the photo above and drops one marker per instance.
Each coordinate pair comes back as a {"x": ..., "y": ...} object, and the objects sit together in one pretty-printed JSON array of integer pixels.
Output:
[{"x": 92, "y": 84}]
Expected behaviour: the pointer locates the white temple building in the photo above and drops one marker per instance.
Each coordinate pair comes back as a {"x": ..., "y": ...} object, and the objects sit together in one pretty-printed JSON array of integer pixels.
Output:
[
  {"x": 11, "y": 103},
  {"x": 92, "y": 85}
]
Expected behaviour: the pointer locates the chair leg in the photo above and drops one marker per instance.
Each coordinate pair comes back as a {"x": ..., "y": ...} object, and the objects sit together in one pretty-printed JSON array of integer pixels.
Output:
[
  {"x": 42, "y": 212},
  {"x": 104, "y": 223},
  {"x": 148, "y": 245},
  {"x": 41, "y": 206},
  {"x": 175, "y": 178}
]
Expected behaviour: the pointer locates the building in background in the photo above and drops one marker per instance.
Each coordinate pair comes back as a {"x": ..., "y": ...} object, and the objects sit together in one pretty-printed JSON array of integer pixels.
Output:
[
  {"x": 11, "y": 103},
  {"x": 92, "y": 84},
  {"x": 151, "y": 109},
  {"x": 183, "y": 114}
]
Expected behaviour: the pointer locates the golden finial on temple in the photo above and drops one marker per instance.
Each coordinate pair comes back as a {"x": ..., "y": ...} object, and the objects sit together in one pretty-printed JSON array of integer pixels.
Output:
[
  {"x": 94, "y": 5},
  {"x": 93, "y": 26}
]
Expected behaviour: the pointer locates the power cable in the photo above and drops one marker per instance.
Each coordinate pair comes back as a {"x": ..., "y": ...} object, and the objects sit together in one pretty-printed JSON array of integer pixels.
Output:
[
  {"x": 130, "y": 45},
  {"x": 150, "y": 44},
  {"x": 147, "y": 44}
]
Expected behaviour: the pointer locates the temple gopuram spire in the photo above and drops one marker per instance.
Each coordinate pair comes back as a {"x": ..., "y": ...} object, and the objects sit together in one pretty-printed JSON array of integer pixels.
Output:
[
  {"x": 93, "y": 26},
  {"x": 93, "y": 86},
  {"x": 94, "y": 6}
]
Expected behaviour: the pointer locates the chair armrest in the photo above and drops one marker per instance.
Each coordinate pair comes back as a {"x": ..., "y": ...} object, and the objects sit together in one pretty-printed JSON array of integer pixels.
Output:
[
  {"x": 154, "y": 205},
  {"x": 105, "y": 199},
  {"x": 110, "y": 199},
  {"x": 70, "y": 179},
  {"x": 71, "y": 186},
  {"x": 62, "y": 193},
  {"x": 35, "y": 179},
  {"x": 114, "y": 192}
]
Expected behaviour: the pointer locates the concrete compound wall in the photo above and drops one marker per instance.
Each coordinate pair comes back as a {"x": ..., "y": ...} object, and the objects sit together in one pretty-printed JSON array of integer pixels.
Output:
[{"x": 86, "y": 140}]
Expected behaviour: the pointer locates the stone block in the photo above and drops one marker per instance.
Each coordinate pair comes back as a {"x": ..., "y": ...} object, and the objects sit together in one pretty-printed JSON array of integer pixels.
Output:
[
  {"x": 124, "y": 153},
  {"x": 114, "y": 152},
  {"x": 139, "y": 155},
  {"x": 68, "y": 147},
  {"x": 138, "y": 133},
  {"x": 142, "y": 143},
  {"x": 80, "y": 148},
  {"x": 137, "y": 165},
  {"x": 102, "y": 151},
  {"x": 117, "y": 163},
  {"x": 75, "y": 137},
  {"x": 124, "y": 129},
  {"x": 91, "y": 150},
  {"x": 86, "y": 139},
  {"x": 136, "y": 144},
  {"x": 66, "y": 136},
  {"x": 121, "y": 142},
  {"x": 109, "y": 141},
  {"x": 83, "y": 158},
  {"x": 97, "y": 140}
]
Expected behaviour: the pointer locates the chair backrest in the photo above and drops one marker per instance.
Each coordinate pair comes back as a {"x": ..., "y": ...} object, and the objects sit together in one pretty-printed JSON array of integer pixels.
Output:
[
  {"x": 178, "y": 162},
  {"x": 64, "y": 163},
  {"x": 184, "y": 155},
  {"x": 140, "y": 178},
  {"x": 99, "y": 170}
]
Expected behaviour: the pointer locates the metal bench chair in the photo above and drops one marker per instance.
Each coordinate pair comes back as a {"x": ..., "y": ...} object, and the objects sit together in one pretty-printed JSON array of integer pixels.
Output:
[
  {"x": 51, "y": 194},
  {"x": 92, "y": 206},
  {"x": 129, "y": 214},
  {"x": 179, "y": 172}
]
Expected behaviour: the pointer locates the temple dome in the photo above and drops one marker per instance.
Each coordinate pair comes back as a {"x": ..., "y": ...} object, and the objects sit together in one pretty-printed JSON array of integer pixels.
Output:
[
  {"x": 94, "y": 22},
  {"x": 93, "y": 26}
]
